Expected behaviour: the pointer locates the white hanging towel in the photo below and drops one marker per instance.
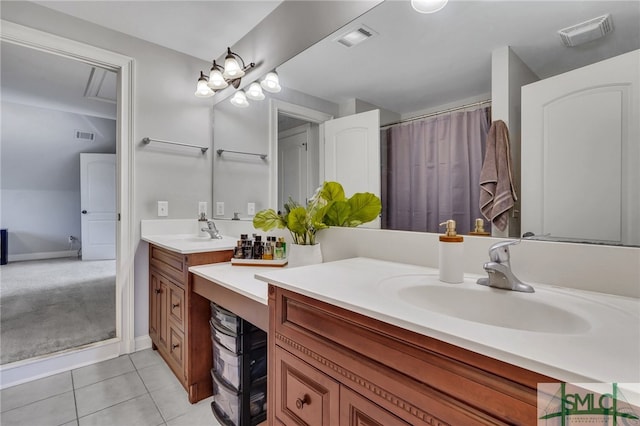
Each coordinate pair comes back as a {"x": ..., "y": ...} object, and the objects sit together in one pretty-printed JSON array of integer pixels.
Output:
[{"x": 497, "y": 192}]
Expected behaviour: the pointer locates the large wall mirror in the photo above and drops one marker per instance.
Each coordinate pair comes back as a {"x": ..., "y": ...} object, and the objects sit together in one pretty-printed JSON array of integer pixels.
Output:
[{"x": 412, "y": 65}]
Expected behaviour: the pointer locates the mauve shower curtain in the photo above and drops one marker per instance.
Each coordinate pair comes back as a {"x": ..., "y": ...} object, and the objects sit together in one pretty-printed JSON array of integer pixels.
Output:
[{"x": 432, "y": 171}]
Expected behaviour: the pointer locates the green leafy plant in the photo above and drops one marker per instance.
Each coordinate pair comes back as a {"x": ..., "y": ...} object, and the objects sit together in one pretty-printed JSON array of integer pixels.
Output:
[{"x": 328, "y": 207}]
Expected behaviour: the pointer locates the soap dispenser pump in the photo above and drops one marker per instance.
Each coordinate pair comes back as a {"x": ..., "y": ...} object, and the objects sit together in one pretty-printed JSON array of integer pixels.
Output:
[{"x": 451, "y": 254}]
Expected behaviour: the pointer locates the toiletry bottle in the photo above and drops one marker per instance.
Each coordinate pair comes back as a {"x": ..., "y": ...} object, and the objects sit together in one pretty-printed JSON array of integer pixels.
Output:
[
  {"x": 238, "y": 252},
  {"x": 279, "y": 252},
  {"x": 451, "y": 254},
  {"x": 479, "y": 229},
  {"x": 257, "y": 247}
]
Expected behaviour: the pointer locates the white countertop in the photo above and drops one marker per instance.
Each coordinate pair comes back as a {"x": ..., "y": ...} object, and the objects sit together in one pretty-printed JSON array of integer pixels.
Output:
[
  {"x": 605, "y": 349},
  {"x": 190, "y": 243},
  {"x": 240, "y": 279}
]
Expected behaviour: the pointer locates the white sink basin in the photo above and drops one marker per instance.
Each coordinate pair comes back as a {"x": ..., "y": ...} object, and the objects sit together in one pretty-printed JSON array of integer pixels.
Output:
[{"x": 544, "y": 311}]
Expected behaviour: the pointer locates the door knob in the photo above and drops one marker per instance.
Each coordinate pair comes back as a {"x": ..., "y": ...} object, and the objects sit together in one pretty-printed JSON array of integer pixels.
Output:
[{"x": 84, "y": 212}]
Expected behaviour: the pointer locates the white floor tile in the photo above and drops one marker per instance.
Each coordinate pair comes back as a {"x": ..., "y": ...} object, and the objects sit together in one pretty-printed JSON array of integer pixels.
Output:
[
  {"x": 199, "y": 415},
  {"x": 101, "y": 371},
  {"x": 146, "y": 358},
  {"x": 109, "y": 392},
  {"x": 172, "y": 402},
  {"x": 140, "y": 411},
  {"x": 158, "y": 376},
  {"x": 18, "y": 396},
  {"x": 53, "y": 411}
]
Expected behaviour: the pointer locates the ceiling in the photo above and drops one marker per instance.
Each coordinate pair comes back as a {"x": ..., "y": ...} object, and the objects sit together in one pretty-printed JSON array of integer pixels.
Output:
[
  {"x": 419, "y": 61},
  {"x": 415, "y": 61}
]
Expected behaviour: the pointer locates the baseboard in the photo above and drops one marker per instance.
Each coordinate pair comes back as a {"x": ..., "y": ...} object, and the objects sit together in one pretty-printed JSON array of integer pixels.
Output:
[
  {"x": 141, "y": 343},
  {"x": 42, "y": 255}
]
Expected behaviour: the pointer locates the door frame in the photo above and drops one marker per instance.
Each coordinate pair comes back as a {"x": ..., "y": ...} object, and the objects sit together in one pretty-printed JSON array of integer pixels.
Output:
[
  {"x": 31, "y": 369},
  {"x": 277, "y": 106}
]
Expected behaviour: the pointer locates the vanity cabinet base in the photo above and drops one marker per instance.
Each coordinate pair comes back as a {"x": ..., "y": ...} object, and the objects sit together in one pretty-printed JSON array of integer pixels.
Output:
[
  {"x": 179, "y": 318},
  {"x": 330, "y": 366}
]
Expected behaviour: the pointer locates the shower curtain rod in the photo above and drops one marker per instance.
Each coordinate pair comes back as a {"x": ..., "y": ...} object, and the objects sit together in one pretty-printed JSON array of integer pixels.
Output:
[{"x": 433, "y": 114}]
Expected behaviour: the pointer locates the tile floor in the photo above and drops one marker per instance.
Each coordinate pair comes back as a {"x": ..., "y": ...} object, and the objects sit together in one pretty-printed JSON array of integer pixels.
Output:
[{"x": 131, "y": 390}]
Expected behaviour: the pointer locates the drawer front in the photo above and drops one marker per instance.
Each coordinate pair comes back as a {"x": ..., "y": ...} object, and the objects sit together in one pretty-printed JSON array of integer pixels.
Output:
[
  {"x": 358, "y": 411},
  {"x": 170, "y": 263},
  {"x": 176, "y": 346},
  {"x": 176, "y": 306},
  {"x": 304, "y": 395}
]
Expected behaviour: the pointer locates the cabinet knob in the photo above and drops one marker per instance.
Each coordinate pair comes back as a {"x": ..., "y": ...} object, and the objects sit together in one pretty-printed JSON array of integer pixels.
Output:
[
  {"x": 300, "y": 402},
  {"x": 175, "y": 345},
  {"x": 157, "y": 291},
  {"x": 174, "y": 305}
]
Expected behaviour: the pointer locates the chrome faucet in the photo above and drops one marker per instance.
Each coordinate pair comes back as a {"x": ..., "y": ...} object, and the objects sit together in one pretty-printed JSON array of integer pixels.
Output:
[
  {"x": 212, "y": 230},
  {"x": 499, "y": 269}
]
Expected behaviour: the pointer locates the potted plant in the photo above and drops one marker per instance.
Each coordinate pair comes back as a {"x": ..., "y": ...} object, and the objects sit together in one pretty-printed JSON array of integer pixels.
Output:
[{"x": 328, "y": 207}]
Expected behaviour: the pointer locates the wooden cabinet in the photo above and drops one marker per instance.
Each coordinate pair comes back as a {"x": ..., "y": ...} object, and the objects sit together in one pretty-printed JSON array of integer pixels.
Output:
[
  {"x": 179, "y": 318},
  {"x": 331, "y": 366}
]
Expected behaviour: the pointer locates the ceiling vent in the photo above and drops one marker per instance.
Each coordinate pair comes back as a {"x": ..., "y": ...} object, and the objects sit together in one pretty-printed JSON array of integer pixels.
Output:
[
  {"x": 356, "y": 36},
  {"x": 586, "y": 31},
  {"x": 85, "y": 136}
]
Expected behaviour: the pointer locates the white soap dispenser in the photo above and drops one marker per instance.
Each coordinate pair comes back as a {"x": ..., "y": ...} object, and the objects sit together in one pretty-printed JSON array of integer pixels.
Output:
[{"x": 451, "y": 254}]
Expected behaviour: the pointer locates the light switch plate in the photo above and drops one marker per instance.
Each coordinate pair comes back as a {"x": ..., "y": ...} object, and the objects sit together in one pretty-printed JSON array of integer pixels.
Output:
[
  {"x": 251, "y": 209},
  {"x": 220, "y": 208},
  {"x": 163, "y": 208}
]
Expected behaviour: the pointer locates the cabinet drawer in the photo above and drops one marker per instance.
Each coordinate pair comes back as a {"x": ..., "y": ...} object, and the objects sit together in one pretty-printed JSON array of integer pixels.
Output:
[
  {"x": 356, "y": 410},
  {"x": 304, "y": 395},
  {"x": 170, "y": 263},
  {"x": 176, "y": 346},
  {"x": 176, "y": 306}
]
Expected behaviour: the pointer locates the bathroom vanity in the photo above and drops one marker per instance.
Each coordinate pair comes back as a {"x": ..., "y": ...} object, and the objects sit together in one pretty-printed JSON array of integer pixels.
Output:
[
  {"x": 178, "y": 317},
  {"x": 361, "y": 341}
]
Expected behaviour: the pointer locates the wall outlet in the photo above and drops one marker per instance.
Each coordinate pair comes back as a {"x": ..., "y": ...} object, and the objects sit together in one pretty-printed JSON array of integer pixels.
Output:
[
  {"x": 220, "y": 208},
  {"x": 163, "y": 208},
  {"x": 202, "y": 207},
  {"x": 251, "y": 209}
]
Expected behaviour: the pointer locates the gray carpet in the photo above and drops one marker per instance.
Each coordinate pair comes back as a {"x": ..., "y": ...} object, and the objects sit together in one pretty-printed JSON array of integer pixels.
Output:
[{"x": 52, "y": 305}]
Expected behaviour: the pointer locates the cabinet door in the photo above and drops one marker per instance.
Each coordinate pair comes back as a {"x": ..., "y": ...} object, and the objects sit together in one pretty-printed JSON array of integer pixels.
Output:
[
  {"x": 176, "y": 347},
  {"x": 356, "y": 410},
  {"x": 305, "y": 396}
]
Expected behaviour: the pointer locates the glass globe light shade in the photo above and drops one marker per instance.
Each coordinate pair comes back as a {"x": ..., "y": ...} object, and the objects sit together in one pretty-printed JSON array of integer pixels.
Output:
[
  {"x": 202, "y": 89},
  {"x": 271, "y": 82},
  {"x": 428, "y": 6},
  {"x": 254, "y": 92},
  {"x": 216, "y": 80},
  {"x": 232, "y": 69},
  {"x": 239, "y": 99}
]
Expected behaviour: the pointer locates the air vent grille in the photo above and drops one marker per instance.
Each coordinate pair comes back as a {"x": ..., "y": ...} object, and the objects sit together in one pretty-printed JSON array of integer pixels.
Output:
[
  {"x": 586, "y": 31},
  {"x": 356, "y": 36},
  {"x": 84, "y": 136}
]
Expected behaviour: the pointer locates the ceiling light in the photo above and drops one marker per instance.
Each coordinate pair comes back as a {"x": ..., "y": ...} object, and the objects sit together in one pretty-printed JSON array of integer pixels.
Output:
[
  {"x": 216, "y": 80},
  {"x": 585, "y": 32},
  {"x": 203, "y": 90},
  {"x": 428, "y": 6},
  {"x": 271, "y": 82},
  {"x": 239, "y": 99},
  {"x": 254, "y": 92}
]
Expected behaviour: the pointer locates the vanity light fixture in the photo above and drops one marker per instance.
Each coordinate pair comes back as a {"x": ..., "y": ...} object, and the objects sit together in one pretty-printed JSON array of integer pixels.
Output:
[
  {"x": 428, "y": 6},
  {"x": 221, "y": 77}
]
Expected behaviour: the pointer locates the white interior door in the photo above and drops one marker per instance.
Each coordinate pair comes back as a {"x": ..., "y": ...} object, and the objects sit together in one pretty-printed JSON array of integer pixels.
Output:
[
  {"x": 580, "y": 151},
  {"x": 352, "y": 154},
  {"x": 98, "y": 206},
  {"x": 293, "y": 165}
]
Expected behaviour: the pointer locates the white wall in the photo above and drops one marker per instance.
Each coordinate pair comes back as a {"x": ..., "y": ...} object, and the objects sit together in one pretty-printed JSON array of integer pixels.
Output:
[
  {"x": 239, "y": 179},
  {"x": 165, "y": 108},
  {"x": 40, "y": 176}
]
